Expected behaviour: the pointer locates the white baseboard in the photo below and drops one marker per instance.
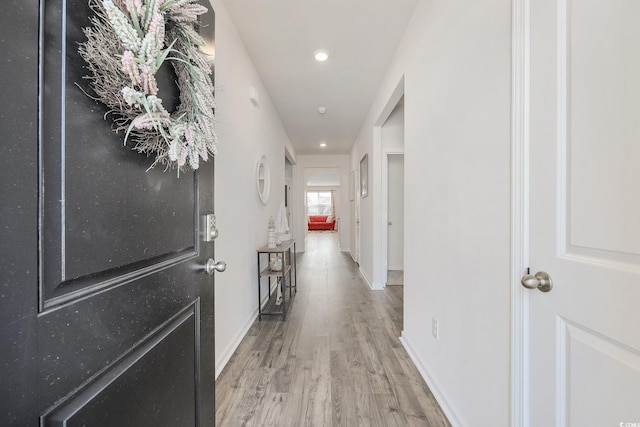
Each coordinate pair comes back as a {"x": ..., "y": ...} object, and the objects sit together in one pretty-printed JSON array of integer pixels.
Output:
[
  {"x": 433, "y": 385},
  {"x": 364, "y": 276},
  {"x": 226, "y": 356},
  {"x": 377, "y": 286},
  {"x": 372, "y": 286},
  {"x": 395, "y": 267}
]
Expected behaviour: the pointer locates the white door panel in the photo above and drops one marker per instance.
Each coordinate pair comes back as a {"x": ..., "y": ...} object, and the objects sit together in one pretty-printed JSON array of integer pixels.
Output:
[
  {"x": 395, "y": 209},
  {"x": 585, "y": 212}
]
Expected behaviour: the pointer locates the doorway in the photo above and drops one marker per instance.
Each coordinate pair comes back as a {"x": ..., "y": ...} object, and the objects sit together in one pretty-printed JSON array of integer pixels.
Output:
[
  {"x": 392, "y": 144},
  {"x": 354, "y": 196},
  {"x": 322, "y": 196},
  {"x": 395, "y": 219},
  {"x": 288, "y": 192}
]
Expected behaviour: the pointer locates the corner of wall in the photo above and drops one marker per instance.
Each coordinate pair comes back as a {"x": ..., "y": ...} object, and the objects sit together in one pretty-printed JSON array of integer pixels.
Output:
[
  {"x": 225, "y": 356},
  {"x": 434, "y": 386}
]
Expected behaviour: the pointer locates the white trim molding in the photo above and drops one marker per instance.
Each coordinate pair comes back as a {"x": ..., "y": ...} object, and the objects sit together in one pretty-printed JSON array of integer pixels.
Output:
[
  {"x": 374, "y": 286},
  {"x": 520, "y": 158},
  {"x": 433, "y": 385},
  {"x": 226, "y": 356},
  {"x": 379, "y": 193}
]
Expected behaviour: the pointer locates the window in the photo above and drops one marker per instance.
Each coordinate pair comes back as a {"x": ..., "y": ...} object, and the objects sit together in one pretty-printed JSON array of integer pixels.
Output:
[{"x": 319, "y": 202}]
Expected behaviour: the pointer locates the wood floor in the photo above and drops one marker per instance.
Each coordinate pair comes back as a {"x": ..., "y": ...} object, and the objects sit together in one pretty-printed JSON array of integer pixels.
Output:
[
  {"x": 395, "y": 277},
  {"x": 335, "y": 361}
]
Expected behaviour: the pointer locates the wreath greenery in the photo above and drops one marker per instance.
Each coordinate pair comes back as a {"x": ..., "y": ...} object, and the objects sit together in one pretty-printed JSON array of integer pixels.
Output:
[{"x": 128, "y": 42}]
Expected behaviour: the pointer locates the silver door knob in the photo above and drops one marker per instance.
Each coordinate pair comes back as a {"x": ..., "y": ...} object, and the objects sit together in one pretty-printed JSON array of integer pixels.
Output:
[
  {"x": 211, "y": 266},
  {"x": 389, "y": 223},
  {"x": 542, "y": 281}
]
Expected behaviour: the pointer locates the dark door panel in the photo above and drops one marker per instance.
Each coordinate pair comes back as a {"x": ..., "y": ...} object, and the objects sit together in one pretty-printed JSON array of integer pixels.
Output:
[
  {"x": 106, "y": 218},
  {"x": 80, "y": 338},
  {"x": 106, "y": 317},
  {"x": 152, "y": 384}
]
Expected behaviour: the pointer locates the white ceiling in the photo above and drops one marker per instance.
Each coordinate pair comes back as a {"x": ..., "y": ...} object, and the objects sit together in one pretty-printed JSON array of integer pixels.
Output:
[{"x": 361, "y": 37}]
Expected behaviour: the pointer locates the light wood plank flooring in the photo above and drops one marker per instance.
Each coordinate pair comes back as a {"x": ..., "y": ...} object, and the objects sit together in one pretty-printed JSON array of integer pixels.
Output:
[
  {"x": 335, "y": 361},
  {"x": 395, "y": 278}
]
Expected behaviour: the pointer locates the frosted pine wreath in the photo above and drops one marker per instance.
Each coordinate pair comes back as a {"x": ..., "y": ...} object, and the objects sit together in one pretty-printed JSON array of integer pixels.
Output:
[{"x": 128, "y": 42}]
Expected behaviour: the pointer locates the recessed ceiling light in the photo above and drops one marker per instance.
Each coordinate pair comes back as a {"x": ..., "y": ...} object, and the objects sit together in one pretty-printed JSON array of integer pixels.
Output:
[
  {"x": 322, "y": 110},
  {"x": 321, "y": 55},
  {"x": 323, "y": 144}
]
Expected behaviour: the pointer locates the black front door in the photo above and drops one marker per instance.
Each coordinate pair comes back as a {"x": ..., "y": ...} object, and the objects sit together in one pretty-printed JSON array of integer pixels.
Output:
[{"x": 106, "y": 316}]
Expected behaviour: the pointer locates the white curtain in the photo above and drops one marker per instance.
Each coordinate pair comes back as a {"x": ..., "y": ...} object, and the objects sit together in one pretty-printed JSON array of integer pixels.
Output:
[{"x": 333, "y": 204}]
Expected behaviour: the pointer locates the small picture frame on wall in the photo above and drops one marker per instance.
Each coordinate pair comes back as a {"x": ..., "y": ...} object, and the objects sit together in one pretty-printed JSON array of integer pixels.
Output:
[{"x": 364, "y": 176}]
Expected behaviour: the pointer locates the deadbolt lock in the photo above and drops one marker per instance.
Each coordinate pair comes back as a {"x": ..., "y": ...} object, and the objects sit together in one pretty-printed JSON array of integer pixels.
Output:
[{"x": 209, "y": 230}]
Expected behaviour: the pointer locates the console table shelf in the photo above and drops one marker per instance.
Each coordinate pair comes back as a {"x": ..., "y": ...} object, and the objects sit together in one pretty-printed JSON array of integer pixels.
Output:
[
  {"x": 269, "y": 272},
  {"x": 285, "y": 278}
]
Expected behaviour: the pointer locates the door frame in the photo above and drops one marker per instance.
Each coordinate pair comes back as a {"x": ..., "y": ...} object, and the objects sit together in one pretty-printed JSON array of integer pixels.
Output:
[
  {"x": 356, "y": 222},
  {"x": 385, "y": 211},
  {"x": 376, "y": 178},
  {"x": 520, "y": 212}
]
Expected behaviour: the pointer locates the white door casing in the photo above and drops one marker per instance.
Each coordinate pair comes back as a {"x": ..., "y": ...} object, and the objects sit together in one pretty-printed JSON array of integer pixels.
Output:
[
  {"x": 584, "y": 342},
  {"x": 357, "y": 216}
]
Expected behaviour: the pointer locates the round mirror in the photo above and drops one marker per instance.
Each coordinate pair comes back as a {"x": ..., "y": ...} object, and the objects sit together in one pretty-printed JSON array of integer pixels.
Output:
[{"x": 263, "y": 179}]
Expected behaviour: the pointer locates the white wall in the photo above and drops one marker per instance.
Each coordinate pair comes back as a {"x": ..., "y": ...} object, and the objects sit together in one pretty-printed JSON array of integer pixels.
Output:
[
  {"x": 338, "y": 161},
  {"x": 455, "y": 61},
  {"x": 245, "y": 133},
  {"x": 392, "y": 132}
]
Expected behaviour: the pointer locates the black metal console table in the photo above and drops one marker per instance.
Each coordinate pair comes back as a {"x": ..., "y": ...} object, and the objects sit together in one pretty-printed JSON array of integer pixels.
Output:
[{"x": 287, "y": 250}]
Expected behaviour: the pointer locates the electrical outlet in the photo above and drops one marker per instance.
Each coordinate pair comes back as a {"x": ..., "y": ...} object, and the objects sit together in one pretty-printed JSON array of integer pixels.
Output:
[{"x": 435, "y": 328}]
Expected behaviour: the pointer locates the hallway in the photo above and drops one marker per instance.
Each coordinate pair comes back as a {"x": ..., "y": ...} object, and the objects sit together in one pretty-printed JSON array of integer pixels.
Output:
[{"x": 335, "y": 361}]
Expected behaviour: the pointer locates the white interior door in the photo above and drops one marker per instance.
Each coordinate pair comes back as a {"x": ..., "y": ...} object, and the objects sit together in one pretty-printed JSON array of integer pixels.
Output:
[
  {"x": 585, "y": 213},
  {"x": 395, "y": 212}
]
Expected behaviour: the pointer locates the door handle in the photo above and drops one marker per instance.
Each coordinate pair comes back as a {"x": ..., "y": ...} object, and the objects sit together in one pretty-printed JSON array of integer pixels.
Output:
[
  {"x": 389, "y": 223},
  {"x": 542, "y": 281},
  {"x": 211, "y": 266}
]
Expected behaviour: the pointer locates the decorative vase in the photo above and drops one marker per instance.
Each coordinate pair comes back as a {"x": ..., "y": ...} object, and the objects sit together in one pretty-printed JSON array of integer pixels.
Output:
[{"x": 275, "y": 262}]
